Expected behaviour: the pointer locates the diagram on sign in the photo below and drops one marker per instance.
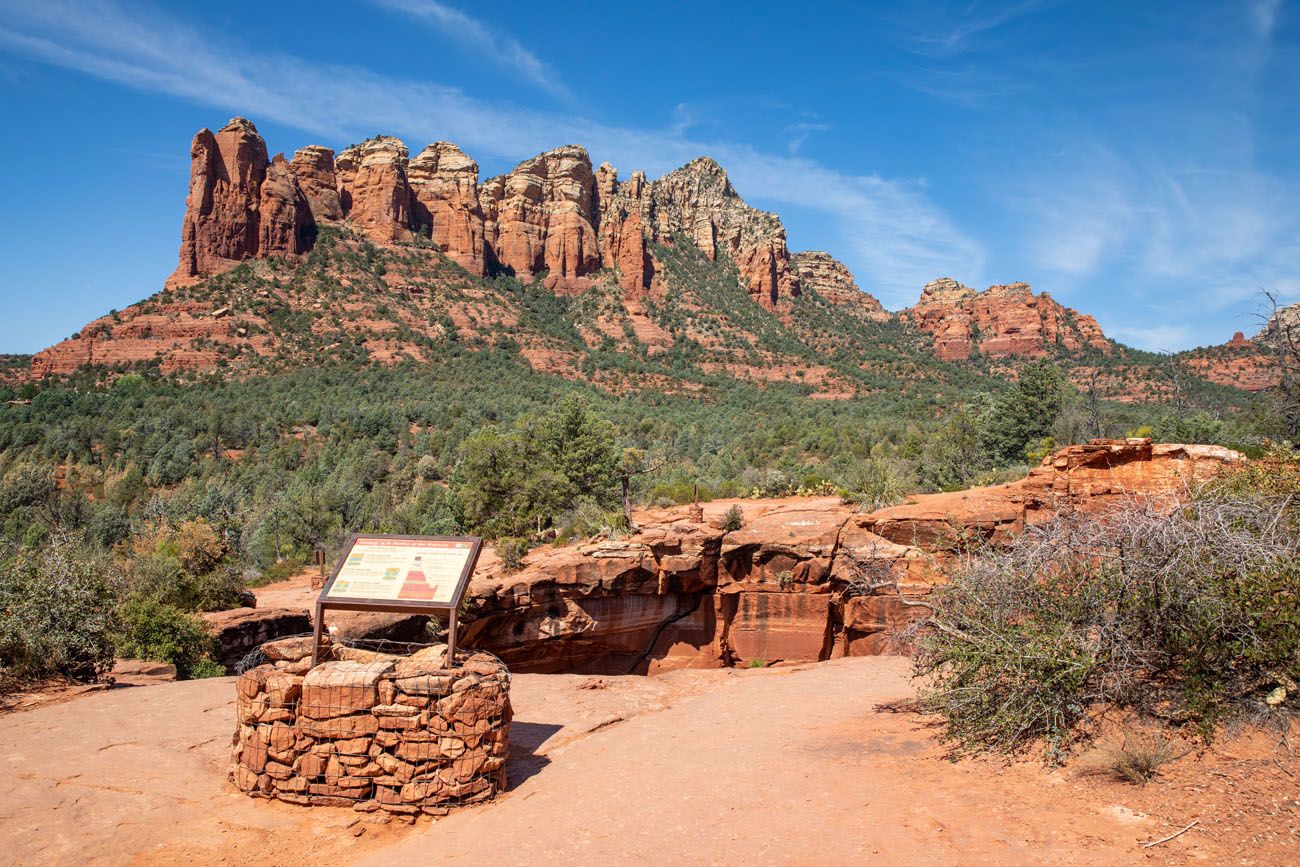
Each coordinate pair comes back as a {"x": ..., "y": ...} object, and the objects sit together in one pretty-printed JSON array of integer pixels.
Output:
[{"x": 408, "y": 570}]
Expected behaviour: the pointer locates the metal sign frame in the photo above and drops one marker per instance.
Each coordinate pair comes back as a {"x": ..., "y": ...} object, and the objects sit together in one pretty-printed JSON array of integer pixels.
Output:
[{"x": 396, "y": 605}]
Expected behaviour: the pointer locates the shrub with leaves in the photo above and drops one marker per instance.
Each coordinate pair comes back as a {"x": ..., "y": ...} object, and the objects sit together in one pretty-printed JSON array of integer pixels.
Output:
[
  {"x": 1194, "y": 611},
  {"x": 164, "y": 633},
  {"x": 56, "y": 612},
  {"x": 733, "y": 520},
  {"x": 874, "y": 484},
  {"x": 512, "y": 550}
]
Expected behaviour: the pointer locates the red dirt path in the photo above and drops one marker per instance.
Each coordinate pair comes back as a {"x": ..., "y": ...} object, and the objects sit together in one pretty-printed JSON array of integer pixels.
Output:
[{"x": 785, "y": 765}]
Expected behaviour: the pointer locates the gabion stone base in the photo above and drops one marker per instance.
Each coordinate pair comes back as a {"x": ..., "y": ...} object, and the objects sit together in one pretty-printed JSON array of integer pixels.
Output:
[{"x": 374, "y": 731}]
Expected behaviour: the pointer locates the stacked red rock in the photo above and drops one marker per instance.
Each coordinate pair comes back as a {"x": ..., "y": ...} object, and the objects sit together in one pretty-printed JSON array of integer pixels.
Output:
[
  {"x": 373, "y": 731},
  {"x": 539, "y": 216},
  {"x": 550, "y": 214},
  {"x": 314, "y": 168},
  {"x": 444, "y": 197},
  {"x": 225, "y": 221},
  {"x": 373, "y": 189},
  {"x": 1001, "y": 321}
]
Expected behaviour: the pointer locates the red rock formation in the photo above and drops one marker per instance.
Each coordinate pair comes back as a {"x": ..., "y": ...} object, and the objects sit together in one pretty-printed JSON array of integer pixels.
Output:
[
  {"x": 314, "y": 168},
  {"x": 539, "y": 216},
  {"x": 826, "y": 275},
  {"x": 699, "y": 201},
  {"x": 801, "y": 580},
  {"x": 283, "y": 212},
  {"x": 1240, "y": 363},
  {"x": 227, "y": 219},
  {"x": 373, "y": 189},
  {"x": 173, "y": 331},
  {"x": 444, "y": 197},
  {"x": 221, "y": 211},
  {"x": 1001, "y": 321},
  {"x": 622, "y": 230},
  {"x": 551, "y": 213}
]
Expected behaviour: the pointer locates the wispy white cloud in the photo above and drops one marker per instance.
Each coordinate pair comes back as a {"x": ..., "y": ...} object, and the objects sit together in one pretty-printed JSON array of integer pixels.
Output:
[
  {"x": 891, "y": 235},
  {"x": 498, "y": 47},
  {"x": 1263, "y": 16},
  {"x": 1210, "y": 236},
  {"x": 800, "y": 131},
  {"x": 937, "y": 32}
]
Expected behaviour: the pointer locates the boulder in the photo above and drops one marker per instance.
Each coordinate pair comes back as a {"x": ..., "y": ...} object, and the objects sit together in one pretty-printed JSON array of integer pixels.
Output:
[{"x": 240, "y": 630}]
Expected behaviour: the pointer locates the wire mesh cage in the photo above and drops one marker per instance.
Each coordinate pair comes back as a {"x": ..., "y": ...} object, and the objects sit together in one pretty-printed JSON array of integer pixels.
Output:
[{"x": 372, "y": 729}]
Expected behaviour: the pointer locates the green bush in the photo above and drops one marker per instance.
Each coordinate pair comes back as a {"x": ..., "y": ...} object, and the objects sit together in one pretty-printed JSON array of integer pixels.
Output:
[
  {"x": 164, "y": 633},
  {"x": 56, "y": 612},
  {"x": 733, "y": 520},
  {"x": 207, "y": 667},
  {"x": 588, "y": 519},
  {"x": 874, "y": 484},
  {"x": 512, "y": 550}
]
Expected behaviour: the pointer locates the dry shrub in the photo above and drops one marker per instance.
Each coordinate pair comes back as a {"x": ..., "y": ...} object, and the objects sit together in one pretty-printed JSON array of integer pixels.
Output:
[
  {"x": 1190, "y": 612},
  {"x": 1136, "y": 759}
]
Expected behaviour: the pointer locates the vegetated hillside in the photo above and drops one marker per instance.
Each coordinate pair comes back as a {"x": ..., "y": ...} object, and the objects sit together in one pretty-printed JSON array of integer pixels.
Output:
[
  {"x": 376, "y": 253},
  {"x": 376, "y": 343}
]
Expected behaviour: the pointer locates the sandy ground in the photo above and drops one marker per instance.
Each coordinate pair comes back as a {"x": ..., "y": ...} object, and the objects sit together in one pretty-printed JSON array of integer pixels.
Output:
[{"x": 786, "y": 765}]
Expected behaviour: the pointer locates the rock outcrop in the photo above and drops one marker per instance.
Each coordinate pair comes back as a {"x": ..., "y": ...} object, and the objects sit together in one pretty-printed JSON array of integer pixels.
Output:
[
  {"x": 1240, "y": 363},
  {"x": 698, "y": 201},
  {"x": 1001, "y": 321},
  {"x": 284, "y": 214},
  {"x": 314, "y": 168},
  {"x": 622, "y": 209},
  {"x": 539, "y": 217},
  {"x": 827, "y": 276},
  {"x": 806, "y": 579},
  {"x": 222, "y": 225},
  {"x": 550, "y": 214},
  {"x": 444, "y": 198},
  {"x": 373, "y": 189}
]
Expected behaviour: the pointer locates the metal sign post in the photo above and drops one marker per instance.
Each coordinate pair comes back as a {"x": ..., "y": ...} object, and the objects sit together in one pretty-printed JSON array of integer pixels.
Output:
[{"x": 404, "y": 574}]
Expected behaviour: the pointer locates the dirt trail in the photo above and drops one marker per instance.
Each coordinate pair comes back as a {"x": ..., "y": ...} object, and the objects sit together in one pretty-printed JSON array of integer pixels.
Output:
[{"x": 790, "y": 765}]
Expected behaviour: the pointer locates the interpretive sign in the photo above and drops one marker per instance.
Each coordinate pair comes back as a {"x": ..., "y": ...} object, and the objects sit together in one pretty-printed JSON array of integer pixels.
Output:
[{"x": 412, "y": 574}]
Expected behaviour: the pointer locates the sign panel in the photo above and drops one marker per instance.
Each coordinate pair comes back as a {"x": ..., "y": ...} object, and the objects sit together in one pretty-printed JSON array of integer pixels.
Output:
[
  {"x": 402, "y": 569},
  {"x": 425, "y": 574}
]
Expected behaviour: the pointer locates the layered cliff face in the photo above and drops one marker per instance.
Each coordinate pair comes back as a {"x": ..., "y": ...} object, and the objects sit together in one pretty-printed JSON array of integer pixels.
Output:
[
  {"x": 552, "y": 213},
  {"x": 827, "y": 276},
  {"x": 804, "y": 578},
  {"x": 222, "y": 219},
  {"x": 1001, "y": 321},
  {"x": 444, "y": 197},
  {"x": 313, "y": 167},
  {"x": 539, "y": 217},
  {"x": 373, "y": 189},
  {"x": 646, "y": 265}
]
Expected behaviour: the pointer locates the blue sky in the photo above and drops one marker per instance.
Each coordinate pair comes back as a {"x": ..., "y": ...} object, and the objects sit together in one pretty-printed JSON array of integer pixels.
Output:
[{"x": 1138, "y": 160}]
